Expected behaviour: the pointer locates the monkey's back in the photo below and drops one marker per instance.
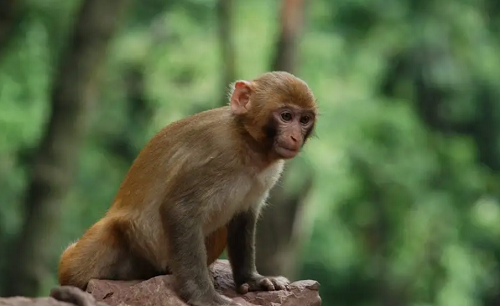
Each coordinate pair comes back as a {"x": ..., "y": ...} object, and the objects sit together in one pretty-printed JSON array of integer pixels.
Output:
[
  {"x": 183, "y": 145},
  {"x": 160, "y": 174}
]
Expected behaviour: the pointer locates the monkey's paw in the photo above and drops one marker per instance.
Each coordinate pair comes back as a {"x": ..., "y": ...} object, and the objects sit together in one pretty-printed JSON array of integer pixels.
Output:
[{"x": 263, "y": 283}]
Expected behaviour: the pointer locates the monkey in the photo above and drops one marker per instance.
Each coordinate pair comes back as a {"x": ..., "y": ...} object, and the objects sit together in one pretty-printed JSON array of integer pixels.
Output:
[{"x": 196, "y": 188}]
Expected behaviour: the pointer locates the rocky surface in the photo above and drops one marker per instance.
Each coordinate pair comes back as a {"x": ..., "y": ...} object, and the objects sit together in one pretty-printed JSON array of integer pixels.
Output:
[
  {"x": 22, "y": 301},
  {"x": 60, "y": 296},
  {"x": 158, "y": 291}
]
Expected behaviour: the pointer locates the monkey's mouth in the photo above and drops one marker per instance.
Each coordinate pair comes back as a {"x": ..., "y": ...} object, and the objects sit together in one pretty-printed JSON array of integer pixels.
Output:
[{"x": 286, "y": 152}]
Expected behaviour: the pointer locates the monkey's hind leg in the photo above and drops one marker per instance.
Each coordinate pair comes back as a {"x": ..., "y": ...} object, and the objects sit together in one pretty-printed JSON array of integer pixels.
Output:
[{"x": 101, "y": 253}]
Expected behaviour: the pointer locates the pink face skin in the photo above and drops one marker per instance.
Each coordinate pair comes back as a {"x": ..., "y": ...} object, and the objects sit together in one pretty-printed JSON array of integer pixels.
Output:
[{"x": 293, "y": 126}]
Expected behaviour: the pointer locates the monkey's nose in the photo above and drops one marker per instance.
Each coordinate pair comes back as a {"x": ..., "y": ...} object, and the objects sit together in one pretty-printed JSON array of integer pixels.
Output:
[{"x": 293, "y": 138}]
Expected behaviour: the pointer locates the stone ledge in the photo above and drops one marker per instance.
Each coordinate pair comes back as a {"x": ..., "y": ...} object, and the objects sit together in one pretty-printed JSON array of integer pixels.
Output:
[{"x": 158, "y": 291}]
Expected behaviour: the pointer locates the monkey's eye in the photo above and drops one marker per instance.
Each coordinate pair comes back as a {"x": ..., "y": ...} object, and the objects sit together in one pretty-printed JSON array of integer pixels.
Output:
[
  {"x": 286, "y": 116},
  {"x": 305, "y": 119}
]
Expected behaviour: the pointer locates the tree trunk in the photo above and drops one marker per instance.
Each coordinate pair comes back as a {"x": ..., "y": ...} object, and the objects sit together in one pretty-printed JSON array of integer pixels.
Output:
[
  {"x": 8, "y": 10},
  {"x": 139, "y": 112},
  {"x": 292, "y": 20},
  {"x": 224, "y": 13},
  {"x": 73, "y": 90},
  {"x": 280, "y": 228}
]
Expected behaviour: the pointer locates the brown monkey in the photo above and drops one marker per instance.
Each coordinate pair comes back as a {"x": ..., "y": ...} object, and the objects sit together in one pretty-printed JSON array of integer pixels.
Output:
[{"x": 199, "y": 179}]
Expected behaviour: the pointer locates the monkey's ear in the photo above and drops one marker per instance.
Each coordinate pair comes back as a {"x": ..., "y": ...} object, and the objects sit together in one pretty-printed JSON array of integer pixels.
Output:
[{"x": 240, "y": 97}]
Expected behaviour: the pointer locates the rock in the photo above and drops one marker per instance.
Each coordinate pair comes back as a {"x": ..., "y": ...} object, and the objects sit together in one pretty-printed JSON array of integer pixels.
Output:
[
  {"x": 60, "y": 296},
  {"x": 158, "y": 291},
  {"x": 23, "y": 301}
]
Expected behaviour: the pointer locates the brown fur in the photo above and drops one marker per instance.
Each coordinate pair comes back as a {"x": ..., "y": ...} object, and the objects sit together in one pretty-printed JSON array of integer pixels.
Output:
[
  {"x": 215, "y": 244},
  {"x": 188, "y": 183}
]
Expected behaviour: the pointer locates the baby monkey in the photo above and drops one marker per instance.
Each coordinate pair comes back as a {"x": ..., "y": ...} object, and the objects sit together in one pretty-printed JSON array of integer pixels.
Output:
[{"x": 198, "y": 185}]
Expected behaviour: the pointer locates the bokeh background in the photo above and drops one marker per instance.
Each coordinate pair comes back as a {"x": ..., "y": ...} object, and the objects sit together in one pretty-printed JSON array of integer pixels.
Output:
[{"x": 394, "y": 202}]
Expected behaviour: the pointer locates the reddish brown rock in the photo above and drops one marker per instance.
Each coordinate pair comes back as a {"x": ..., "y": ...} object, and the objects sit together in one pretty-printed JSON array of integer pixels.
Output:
[
  {"x": 158, "y": 291},
  {"x": 22, "y": 301},
  {"x": 60, "y": 296}
]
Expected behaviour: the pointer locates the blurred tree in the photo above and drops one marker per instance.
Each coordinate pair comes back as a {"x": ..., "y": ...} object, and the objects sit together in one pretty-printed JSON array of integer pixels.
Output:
[
  {"x": 8, "y": 15},
  {"x": 430, "y": 100},
  {"x": 278, "y": 231},
  {"x": 73, "y": 91},
  {"x": 292, "y": 22},
  {"x": 138, "y": 114},
  {"x": 225, "y": 13}
]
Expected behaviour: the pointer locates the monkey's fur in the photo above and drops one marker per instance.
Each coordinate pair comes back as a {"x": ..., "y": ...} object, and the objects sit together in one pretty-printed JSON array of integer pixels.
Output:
[{"x": 197, "y": 181}]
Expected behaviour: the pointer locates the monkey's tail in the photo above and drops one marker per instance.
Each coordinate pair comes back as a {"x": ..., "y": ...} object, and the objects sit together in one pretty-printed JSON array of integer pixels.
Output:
[{"x": 66, "y": 256}]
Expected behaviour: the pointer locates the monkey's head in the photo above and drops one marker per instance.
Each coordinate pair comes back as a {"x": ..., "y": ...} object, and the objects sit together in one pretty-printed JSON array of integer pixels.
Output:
[{"x": 277, "y": 109}]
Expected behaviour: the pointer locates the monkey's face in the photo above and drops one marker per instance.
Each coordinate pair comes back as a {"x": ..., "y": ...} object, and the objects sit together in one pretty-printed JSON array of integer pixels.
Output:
[
  {"x": 290, "y": 127},
  {"x": 278, "y": 111}
]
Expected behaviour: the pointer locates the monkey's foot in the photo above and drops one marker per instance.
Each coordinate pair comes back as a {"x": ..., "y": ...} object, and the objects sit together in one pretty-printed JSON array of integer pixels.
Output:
[
  {"x": 258, "y": 282},
  {"x": 216, "y": 300}
]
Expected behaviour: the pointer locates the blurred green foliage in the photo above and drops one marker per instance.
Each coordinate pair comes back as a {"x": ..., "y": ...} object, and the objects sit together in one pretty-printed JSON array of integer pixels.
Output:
[{"x": 404, "y": 209}]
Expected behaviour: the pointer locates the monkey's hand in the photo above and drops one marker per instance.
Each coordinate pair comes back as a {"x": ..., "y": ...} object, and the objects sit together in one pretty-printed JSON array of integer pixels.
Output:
[{"x": 257, "y": 282}]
